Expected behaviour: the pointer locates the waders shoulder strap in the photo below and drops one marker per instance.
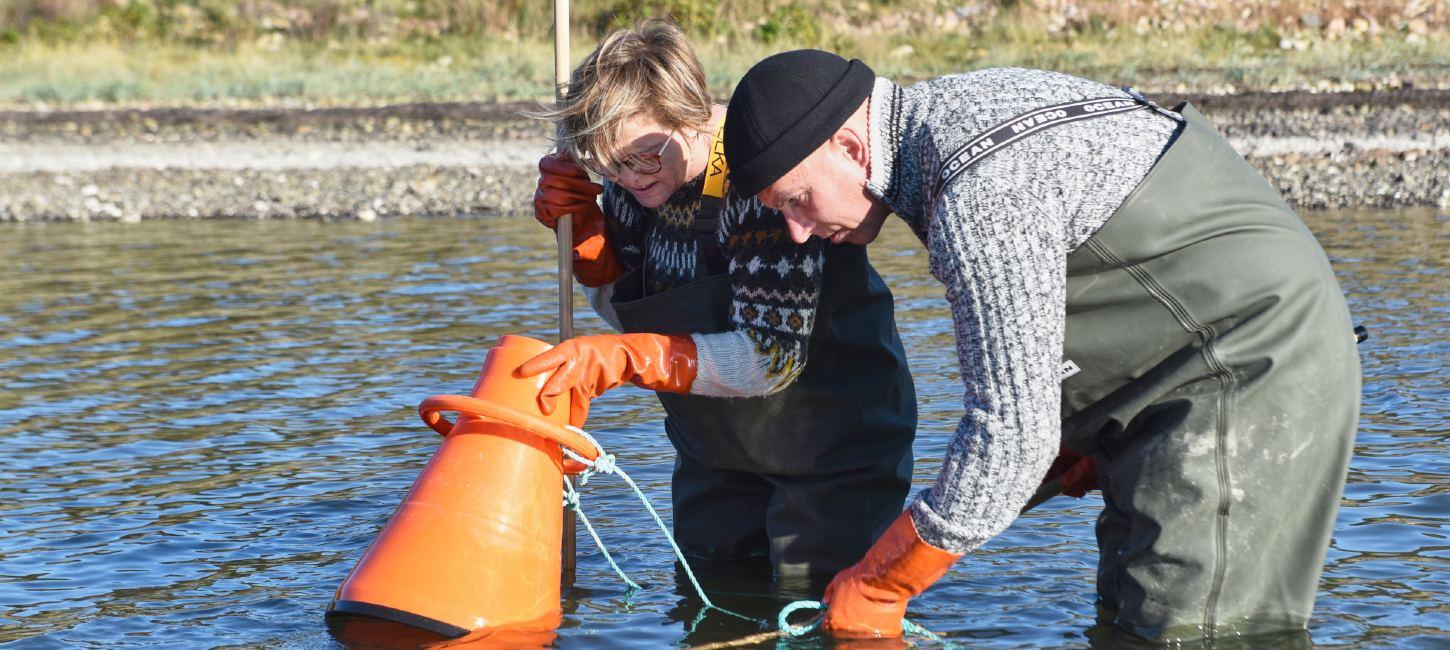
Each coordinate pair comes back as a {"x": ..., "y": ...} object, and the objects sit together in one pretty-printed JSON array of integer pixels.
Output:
[
  {"x": 1034, "y": 121},
  {"x": 712, "y": 203}
]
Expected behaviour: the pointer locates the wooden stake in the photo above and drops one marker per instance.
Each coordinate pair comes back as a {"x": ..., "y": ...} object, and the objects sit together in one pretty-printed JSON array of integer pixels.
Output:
[{"x": 565, "y": 231}]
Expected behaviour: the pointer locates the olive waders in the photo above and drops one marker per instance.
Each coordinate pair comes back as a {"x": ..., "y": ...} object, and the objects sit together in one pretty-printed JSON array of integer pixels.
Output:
[
  {"x": 807, "y": 477},
  {"x": 1210, "y": 369}
]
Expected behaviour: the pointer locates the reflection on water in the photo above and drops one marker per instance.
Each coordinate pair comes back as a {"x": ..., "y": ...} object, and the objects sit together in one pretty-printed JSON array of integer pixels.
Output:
[{"x": 204, "y": 425}]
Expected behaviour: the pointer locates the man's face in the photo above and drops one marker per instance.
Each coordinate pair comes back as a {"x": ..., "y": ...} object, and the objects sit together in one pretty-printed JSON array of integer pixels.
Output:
[{"x": 824, "y": 196}]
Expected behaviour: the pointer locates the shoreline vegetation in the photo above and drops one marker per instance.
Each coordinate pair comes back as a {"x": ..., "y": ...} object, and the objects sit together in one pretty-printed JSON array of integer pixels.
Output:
[
  {"x": 129, "y": 110},
  {"x": 307, "y": 53}
]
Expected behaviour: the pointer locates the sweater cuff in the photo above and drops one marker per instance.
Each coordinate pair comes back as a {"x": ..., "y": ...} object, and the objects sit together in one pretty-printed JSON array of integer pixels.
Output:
[
  {"x": 728, "y": 366},
  {"x": 937, "y": 531},
  {"x": 598, "y": 298}
]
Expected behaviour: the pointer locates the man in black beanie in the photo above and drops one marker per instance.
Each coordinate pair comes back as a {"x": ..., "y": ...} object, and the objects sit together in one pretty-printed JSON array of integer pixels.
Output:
[{"x": 1124, "y": 286}]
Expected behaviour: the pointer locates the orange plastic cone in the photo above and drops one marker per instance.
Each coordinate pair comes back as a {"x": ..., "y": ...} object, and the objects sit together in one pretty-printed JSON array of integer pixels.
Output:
[{"x": 475, "y": 545}]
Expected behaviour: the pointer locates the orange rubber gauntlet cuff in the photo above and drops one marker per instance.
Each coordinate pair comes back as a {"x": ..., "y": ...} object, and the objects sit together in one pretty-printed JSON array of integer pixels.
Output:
[
  {"x": 869, "y": 598},
  {"x": 594, "y": 262},
  {"x": 587, "y": 366},
  {"x": 657, "y": 362}
]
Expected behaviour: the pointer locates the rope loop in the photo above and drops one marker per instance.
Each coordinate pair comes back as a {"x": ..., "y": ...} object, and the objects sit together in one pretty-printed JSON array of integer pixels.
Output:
[
  {"x": 787, "y": 629},
  {"x": 783, "y": 619}
]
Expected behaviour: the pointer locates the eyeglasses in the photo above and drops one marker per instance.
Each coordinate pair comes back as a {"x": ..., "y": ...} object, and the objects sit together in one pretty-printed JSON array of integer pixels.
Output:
[{"x": 645, "y": 164}]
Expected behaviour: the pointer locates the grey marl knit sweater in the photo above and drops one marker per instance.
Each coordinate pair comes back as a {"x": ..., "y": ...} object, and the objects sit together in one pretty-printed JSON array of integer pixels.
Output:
[{"x": 998, "y": 237}]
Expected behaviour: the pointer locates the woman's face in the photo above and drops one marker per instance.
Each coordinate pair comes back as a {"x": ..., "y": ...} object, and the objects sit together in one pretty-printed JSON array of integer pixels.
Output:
[{"x": 654, "y": 161}]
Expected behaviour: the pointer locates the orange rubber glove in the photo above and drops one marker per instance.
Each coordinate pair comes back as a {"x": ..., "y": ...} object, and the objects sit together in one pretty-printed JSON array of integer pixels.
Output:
[
  {"x": 869, "y": 598},
  {"x": 564, "y": 188},
  {"x": 1078, "y": 473},
  {"x": 587, "y": 366}
]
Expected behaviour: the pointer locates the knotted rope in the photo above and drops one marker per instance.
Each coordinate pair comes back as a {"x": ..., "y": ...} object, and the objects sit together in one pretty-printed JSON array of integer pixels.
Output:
[{"x": 607, "y": 464}]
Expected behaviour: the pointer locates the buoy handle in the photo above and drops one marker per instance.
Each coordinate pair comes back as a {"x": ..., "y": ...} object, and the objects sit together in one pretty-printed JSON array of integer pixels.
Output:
[{"x": 431, "y": 410}]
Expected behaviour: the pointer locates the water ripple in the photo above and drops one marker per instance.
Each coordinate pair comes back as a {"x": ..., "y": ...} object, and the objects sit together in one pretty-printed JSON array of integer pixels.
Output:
[{"x": 205, "y": 424}]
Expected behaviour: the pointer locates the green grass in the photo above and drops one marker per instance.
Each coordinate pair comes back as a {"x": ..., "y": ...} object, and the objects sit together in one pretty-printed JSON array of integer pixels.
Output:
[
  {"x": 1194, "y": 61},
  {"x": 169, "y": 74},
  {"x": 58, "y": 70}
]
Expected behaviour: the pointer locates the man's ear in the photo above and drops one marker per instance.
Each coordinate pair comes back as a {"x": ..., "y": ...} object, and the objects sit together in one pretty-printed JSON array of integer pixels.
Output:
[{"x": 852, "y": 144}]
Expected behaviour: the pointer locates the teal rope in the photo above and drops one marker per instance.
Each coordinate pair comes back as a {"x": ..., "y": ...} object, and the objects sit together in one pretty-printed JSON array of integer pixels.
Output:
[
  {"x": 907, "y": 627},
  {"x": 787, "y": 629},
  {"x": 605, "y": 464},
  {"x": 783, "y": 619},
  {"x": 571, "y": 499}
]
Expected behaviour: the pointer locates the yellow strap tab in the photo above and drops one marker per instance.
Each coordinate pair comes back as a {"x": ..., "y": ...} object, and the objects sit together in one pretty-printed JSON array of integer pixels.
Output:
[{"x": 715, "y": 183}]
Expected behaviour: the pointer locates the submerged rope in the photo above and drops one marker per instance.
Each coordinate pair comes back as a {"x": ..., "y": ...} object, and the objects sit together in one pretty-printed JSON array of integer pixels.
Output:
[
  {"x": 605, "y": 464},
  {"x": 571, "y": 500},
  {"x": 783, "y": 619},
  {"x": 791, "y": 630}
]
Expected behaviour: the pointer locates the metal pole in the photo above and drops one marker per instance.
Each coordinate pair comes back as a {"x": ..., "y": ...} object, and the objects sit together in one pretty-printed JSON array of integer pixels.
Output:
[{"x": 565, "y": 230}]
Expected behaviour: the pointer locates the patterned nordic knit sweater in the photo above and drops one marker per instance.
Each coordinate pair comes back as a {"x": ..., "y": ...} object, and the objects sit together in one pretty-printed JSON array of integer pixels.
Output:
[
  {"x": 775, "y": 284},
  {"x": 998, "y": 237}
]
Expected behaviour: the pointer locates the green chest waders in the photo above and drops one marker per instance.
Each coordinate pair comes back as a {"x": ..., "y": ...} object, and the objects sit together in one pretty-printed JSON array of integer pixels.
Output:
[
  {"x": 808, "y": 476},
  {"x": 1211, "y": 371}
]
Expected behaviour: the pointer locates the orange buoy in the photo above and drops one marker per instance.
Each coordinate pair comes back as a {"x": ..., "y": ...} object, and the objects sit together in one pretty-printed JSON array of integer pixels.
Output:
[{"x": 475, "y": 545}]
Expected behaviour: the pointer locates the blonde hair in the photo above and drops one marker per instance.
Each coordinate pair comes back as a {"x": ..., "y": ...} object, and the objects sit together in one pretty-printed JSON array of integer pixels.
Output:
[{"x": 649, "y": 68}]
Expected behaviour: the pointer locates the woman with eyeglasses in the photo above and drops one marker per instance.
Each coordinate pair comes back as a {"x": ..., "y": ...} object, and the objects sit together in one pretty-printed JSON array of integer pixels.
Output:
[{"x": 785, "y": 386}]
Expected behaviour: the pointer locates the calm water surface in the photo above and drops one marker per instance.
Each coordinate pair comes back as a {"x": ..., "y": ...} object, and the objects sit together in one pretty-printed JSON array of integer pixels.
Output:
[{"x": 203, "y": 425}]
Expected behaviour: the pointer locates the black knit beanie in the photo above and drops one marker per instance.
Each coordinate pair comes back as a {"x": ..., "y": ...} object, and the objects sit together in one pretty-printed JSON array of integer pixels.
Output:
[{"x": 784, "y": 108}]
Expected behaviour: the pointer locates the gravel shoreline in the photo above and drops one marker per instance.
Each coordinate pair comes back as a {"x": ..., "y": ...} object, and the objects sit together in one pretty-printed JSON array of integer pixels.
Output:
[{"x": 1323, "y": 150}]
